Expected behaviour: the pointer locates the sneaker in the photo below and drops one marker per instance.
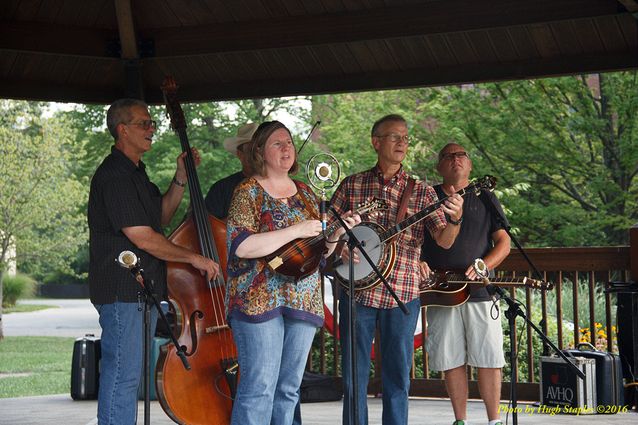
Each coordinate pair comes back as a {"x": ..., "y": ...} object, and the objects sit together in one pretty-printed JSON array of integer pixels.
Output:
[{"x": 458, "y": 422}]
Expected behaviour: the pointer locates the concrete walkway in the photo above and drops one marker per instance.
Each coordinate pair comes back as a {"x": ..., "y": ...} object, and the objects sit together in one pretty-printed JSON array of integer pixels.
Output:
[
  {"x": 71, "y": 318},
  {"x": 61, "y": 409}
]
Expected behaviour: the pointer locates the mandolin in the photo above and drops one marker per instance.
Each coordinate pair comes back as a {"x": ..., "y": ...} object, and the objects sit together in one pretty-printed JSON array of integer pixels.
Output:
[
  {"x": 450, "y": 288},
  {"x": 301, "y": 257}
]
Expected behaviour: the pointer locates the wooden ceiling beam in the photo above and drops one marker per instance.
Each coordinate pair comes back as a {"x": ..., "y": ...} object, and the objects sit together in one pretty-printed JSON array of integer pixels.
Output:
[
  {"x": 383, "y": 80},
  {"x": 126, "y": 28},
  {"x": 44, "y": 38},
  {"x": 374, "y": 24},
  {"x": 51, "y": 91},
  {"x": 630, "y": 5}
]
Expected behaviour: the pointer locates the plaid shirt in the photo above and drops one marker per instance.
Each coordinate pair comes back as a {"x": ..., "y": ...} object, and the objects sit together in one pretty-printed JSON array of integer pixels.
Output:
[{"x": 405, "y": 276}]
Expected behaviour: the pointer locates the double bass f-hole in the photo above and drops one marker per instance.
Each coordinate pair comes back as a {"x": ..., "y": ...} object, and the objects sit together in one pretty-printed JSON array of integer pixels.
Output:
[{"x": 204, "y": 394}]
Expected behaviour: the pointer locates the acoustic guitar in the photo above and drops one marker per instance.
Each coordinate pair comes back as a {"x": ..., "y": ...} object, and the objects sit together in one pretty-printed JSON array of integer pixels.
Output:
[{"x": 451, "y": 287}]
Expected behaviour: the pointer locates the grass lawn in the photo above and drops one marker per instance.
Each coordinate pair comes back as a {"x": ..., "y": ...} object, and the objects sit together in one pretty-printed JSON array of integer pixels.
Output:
[
  {"x": 25, "y": 308},
  {"x": 35, "y": 365}
]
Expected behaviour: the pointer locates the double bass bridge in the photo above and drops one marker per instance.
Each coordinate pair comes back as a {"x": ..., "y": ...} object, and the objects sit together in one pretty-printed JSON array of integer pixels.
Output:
[{"x": 216, "y": 329}]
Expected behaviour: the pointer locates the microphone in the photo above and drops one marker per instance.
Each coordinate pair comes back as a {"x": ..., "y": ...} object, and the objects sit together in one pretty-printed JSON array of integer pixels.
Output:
[
  {"x": 323, "y": 171},
  {"x": 323, "y": 214},
  {"x": 127, "y": 259},
  {"x": 480, "y": 268}
]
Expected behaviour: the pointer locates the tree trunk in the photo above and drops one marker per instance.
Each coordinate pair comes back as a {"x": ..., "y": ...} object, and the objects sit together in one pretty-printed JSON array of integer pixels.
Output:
[{"x": 1, "y": 279}]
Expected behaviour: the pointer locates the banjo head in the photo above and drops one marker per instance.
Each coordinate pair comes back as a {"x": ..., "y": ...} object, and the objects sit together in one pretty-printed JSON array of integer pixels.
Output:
[{"x": 368, "y": 234}]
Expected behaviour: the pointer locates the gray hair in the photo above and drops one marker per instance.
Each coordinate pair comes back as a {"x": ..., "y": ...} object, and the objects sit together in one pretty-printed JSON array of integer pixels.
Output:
[
  {"x": 120, "y": 113},
  {"x": 387, "y": 118}
]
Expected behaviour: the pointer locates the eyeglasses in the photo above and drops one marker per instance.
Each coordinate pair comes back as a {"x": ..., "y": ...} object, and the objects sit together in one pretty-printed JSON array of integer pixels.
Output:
[
  {"x": 453, "y": 155},
  {"x": 395, "y": 138},
  {"x": 145, "y": 124}
]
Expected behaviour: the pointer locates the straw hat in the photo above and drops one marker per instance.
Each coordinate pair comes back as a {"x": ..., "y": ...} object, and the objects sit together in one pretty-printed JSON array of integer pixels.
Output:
[{"x": 244, "y": 134}]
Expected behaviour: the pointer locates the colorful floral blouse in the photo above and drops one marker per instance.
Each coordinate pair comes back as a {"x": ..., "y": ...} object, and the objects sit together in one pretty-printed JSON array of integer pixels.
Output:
[{"x": 254, "y": 292}]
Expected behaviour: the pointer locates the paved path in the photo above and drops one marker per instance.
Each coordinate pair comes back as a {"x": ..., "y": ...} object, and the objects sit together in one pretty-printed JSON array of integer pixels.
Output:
[
  {"x": 61, "y": 409},
  {"x": 73, "y": 318}
]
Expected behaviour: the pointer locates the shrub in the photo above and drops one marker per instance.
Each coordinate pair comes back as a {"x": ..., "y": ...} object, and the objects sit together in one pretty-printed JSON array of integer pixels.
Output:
[{"x": 16, "y": 287}]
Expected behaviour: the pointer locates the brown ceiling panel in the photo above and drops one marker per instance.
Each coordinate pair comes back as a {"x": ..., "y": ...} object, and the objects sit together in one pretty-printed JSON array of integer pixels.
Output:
[
  {"x": 611, "y": 34},
  {"x": 566, "y": 38},
  {"x": 544, "y": 40},
  {"x": 523, "y": 43},
  {"x": 588, "y": 36},
  {"x": 463, "y": 51},
  {"x": 328, "y": 63},
  {"x": 385, "y": 58},
  {"x": 483, "y": 47},
  {"x": 220, "y": 49},
  {"x": 443, "y": 56},
  {"x": 311, "y": 66},
  {"x": 629, "y": 29},
  {"x": 421, "y": 52},
  {"x": 503, "y": 46}
]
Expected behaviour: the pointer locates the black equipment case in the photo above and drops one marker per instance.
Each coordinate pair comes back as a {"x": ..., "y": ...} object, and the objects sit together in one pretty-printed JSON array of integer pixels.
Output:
[
  {"x": 85, "y": 368},
  {"x": 316, "y": 387},
  {"x": 609, "y": 379}
]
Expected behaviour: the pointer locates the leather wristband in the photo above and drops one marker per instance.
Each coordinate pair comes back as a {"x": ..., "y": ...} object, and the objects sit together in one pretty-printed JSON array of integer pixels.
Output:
[{"x": 178, "y": 183}]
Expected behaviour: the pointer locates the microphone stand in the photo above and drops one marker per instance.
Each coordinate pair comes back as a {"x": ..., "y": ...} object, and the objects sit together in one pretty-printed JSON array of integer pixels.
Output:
[
  {"x": 514, "y": 310},
  {"x": 150, "y": 299},
  {"x": 353, "y": 243}
]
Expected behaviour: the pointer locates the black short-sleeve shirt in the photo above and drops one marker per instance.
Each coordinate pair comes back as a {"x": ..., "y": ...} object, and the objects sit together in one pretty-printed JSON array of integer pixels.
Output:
[
  {"x": 221, "y": 193},
  {"x": 473, "y": 241},
  {"x": 121, "y": 196}
]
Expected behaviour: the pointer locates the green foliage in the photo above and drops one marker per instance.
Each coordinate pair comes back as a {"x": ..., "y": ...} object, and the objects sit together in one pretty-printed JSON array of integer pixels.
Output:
[
  {"x": 41, "y": 371},
  {"x": 40, "y": 204},
  {"x": 27, "y": 308},
  {"x": 566, "y": 144},
  {"x": 571, "y": 139},
  {"x": 16, "y": 287}
]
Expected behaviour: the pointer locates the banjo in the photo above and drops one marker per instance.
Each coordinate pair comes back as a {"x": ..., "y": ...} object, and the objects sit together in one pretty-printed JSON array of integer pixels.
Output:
[{"x": 380, "y": 243}]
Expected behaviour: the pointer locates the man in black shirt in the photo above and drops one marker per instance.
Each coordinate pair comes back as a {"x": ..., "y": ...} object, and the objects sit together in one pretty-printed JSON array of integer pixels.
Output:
[
  {"x": 221, "y": 193},
  {"x": 126, "y": 212},
  {"x": 467, "y": 334}
]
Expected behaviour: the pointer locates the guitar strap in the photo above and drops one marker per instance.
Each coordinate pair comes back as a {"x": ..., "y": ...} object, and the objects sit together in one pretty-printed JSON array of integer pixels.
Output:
[
  {"x": 403, "y": 206},
  {"x": 313, "y": 211}
]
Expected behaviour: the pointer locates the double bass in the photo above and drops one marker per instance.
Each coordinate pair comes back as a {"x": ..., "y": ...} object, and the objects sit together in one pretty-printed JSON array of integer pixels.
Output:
[{"x": 202, "y": 395}]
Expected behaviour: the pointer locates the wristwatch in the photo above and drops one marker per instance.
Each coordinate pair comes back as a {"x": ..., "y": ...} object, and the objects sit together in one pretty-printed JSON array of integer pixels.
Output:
[{"x": 454, "y": 222}]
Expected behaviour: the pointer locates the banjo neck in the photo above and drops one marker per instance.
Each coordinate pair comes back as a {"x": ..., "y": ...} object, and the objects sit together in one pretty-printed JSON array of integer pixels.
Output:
[{"x": 486, "y": 183}]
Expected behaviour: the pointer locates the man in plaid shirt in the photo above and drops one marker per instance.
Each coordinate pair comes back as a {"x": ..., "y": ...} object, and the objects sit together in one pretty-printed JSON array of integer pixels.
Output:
[{"x": 387, "y": 180}]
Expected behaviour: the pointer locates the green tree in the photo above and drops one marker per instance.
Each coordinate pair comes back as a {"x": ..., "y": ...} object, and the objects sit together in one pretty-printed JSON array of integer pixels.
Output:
[
  {"x": 566, "y": 145},
  {"x": 571, "y": 139},
  {"x": 41, "y": 198}
]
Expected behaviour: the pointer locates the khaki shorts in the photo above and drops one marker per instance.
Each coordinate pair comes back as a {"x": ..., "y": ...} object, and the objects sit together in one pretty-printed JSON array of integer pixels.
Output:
[{"x": 464, "y": 334}]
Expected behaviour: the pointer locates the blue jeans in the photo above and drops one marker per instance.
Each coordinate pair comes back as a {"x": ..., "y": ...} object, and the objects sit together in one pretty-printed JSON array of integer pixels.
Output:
[
  {"x": 122, "y": 345},
  {"x": 268, "y": 392},
  {"x": 397, "y": 347}
]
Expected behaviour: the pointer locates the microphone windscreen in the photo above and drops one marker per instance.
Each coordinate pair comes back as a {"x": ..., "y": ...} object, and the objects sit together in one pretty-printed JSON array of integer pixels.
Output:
[{"x": 127, "y": 259}]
